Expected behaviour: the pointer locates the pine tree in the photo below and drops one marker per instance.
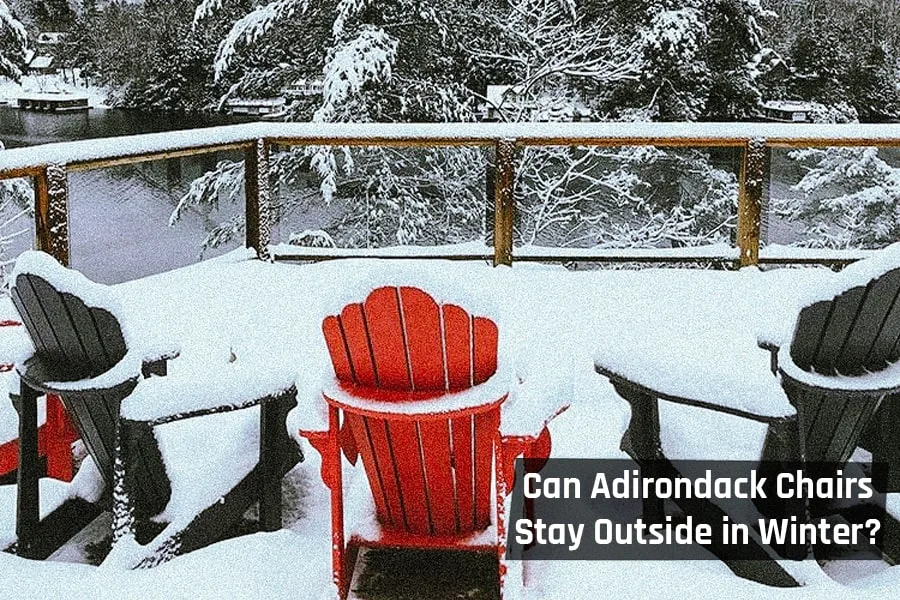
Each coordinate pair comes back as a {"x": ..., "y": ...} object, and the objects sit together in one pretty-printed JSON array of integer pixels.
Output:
[{"x": 13, "y": 44}]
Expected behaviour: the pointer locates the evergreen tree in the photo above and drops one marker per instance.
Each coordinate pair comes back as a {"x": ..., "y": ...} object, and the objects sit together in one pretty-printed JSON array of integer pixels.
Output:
[{"x": 13, "y": 44}]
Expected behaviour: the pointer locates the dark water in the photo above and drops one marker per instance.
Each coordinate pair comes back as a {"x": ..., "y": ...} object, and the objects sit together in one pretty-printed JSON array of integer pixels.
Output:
[
  {"x": 118, "y": 217},
  {"x": 28, "y": 128}
]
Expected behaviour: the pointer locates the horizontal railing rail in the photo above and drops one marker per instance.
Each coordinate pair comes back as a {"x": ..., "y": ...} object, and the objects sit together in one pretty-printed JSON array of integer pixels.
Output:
[{"x": 50, "y": 164}]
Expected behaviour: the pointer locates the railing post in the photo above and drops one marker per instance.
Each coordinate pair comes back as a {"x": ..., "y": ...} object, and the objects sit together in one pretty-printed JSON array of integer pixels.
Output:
[
  {"x": 504, "y": 200},
  {"x": 51, "y": 213},
  {"x": 753, "y": 176},
  {"x": 256, "y": 192}
]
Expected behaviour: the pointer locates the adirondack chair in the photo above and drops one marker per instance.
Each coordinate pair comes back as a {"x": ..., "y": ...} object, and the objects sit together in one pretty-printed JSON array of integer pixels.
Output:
[
  {"x": 80, "y": 354},
  {"x": 837, "y": 372},
  {"x": 849, "y": 332},
  {"x": 54, "y": 439},
  {"x": 420, "y": 396}
]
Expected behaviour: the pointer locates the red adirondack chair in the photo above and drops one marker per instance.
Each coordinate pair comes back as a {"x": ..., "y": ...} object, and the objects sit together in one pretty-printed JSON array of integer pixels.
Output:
[
  {"x": 55, "y": 437},
  {"x": 418, "y": 388}
]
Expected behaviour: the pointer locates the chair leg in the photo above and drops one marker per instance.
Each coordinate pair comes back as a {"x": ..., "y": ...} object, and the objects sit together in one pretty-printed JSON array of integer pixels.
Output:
[
  {"x": 342, "y": 571},
  {"x": 642, "y": 442},
  {"x": 27, "y": 499},
  {"x": 270, "y": 456}
]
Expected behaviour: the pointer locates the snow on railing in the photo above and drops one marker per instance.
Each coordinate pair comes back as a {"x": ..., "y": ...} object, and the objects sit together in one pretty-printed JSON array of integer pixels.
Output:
[{"x": 49, "y": 164}]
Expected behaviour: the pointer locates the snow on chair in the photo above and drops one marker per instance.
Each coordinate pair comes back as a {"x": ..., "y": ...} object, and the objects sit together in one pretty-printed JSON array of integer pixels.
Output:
[{"x": 420, "y": 393}]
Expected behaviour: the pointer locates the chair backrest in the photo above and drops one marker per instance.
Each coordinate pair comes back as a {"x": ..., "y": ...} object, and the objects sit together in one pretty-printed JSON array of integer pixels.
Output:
[
  {"x": 855, "y": 332},
  {"x": 74, "y": 341},
  {"x": 82, "y": 341},
  {"x": 399, "y": 338},
  {"x": 429, "y": 474}
]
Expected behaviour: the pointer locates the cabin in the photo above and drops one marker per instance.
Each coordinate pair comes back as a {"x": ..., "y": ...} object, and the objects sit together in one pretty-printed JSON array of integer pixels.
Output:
[
  {"x": 787, "y": 111},
  {"x": 303, "y": 88},
  {"x": 41, "y": 65}
]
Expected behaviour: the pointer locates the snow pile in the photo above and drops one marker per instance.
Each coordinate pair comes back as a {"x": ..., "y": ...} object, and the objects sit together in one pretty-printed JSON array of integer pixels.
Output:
[{"x": 857, "y": 274}]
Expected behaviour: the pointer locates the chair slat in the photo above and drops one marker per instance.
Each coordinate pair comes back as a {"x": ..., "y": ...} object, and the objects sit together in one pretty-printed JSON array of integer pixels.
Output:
[
  {"x": 808, "y": 333},
  {"x": 41, "y": 345},
  {"x": 381, "y": 449},
  {"x": 422, "y": 319},
  {"x": 818, "y": 418},
  {"x": 844, "y": 312},
  {"x": 458, "y": 346},
  {"x": 857, "y": 354},
  {"x": 484, "y": 354},
  {"x": 337, "y": 348},
  {"x": 462, "y": 429},
  {"x": 435, "y": 437},
  {"x": 43, "y": 328},
  {"x": 359, "y": 426},
  {"x": 387, "y": 338},
  {"x": 110, "y": 334},
  {"x": 97, "y": 432},
  {"x": 85, "y": 327},
  {"x": 846, "y": 432},
  {"x": 357, "y": 336},
  {"x": 407, "y": 456},
  {"x": 487, "y": 425},
  {"x": 62, "y": 326}
]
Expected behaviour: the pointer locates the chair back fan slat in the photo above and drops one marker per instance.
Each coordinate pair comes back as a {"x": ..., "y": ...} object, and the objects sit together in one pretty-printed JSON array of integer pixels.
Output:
[
  {"x": 356, "y": 338},
  {"x": 429, "y": 476},
  {"x": 387, "y": 339},
  {"x": 458, "y": 346},
  {"x": 424, "y": 340},
  {"x": 484, "y": 349},
  {"x": 855, "y": 332}
]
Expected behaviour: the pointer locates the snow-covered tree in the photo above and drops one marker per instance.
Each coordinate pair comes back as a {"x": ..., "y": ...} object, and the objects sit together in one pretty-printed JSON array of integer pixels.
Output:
[
  {"x": 697, "y": 57},
  {"x": 13, "y": 44},
  {"x": 849, "y": 198}
]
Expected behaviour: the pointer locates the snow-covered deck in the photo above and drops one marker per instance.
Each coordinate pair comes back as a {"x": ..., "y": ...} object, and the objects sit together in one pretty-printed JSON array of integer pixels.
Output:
[{"x": 552, "y": 322}]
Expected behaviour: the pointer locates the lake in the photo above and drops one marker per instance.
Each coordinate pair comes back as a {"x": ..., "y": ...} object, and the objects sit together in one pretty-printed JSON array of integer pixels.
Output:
[{"x": 118, "y": 217}]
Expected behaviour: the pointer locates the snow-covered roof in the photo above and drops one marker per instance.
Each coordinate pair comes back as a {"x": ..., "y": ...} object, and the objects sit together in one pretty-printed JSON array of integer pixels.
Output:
[
  {"x": 255, "y": 101},
  {"x": 41, "y": 62},
  {"x": 51, "y": 37},
  {"x": 789, "y": 105},
  {"x": 497, "y": 94}
]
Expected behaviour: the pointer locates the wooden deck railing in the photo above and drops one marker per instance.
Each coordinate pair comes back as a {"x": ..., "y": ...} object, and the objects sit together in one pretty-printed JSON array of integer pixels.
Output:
[{"x": 50, "y": 164}]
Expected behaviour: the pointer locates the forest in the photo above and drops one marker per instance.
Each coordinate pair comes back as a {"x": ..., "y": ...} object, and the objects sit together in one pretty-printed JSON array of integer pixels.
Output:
[{"x": 426, "y": 61}]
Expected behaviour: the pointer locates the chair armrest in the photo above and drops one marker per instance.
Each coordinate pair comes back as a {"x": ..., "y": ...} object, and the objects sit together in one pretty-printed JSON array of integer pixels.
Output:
[
  {"x": 773, "y": 349},
  {"x": 229, "y": 386},
  {"x": 534, "y": 402},
  {"x": 441, "y": 405}
]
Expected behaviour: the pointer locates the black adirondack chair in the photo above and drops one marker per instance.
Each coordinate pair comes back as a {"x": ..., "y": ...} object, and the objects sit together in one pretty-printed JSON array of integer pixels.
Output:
[
  {"x": 80, "y": 352},
  {"x": 855, "y": 332}
]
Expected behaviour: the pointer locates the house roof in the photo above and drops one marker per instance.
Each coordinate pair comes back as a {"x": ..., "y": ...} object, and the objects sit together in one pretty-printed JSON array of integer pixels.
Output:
[{"x": 41, "y": 62}]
